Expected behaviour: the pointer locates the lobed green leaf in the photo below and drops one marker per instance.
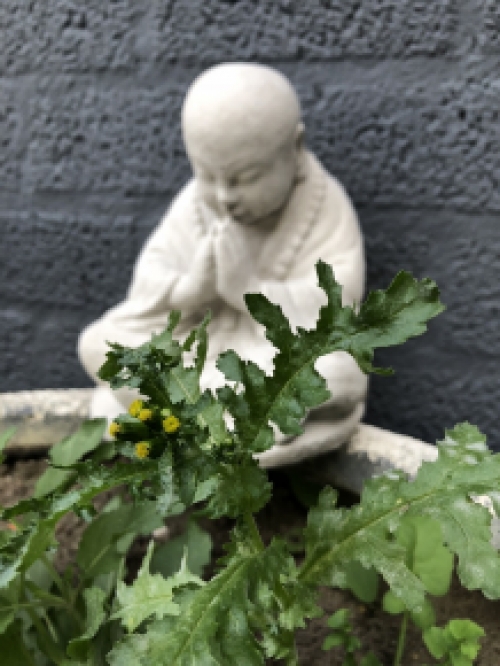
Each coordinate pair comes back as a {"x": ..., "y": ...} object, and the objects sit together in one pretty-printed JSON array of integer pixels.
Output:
[
  {"x": 386, "y": 318},
  {"x": 442, "y": 491}
]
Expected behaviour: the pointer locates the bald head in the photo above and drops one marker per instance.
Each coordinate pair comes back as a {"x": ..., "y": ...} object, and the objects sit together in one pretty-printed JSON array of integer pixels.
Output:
[{"x": 235, "y": 106}]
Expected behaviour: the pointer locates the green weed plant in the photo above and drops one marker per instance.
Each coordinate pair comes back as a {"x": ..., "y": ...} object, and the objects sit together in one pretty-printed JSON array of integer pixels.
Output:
[{"x": 174, "y": 450}]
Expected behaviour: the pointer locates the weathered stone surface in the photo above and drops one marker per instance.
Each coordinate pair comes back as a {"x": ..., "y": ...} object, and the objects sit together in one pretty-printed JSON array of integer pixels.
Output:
[
  {"x": 59, "y": 260},
  {"x": 116, "y": 34},
  {"x": 432, "y": 391},
  {"x": 38, "y": 348},
  {"x": 461, "y": 255},
  {"x": 54, "y": 360},
  {"x": 389, "y": 143},
  {"x": 16, "y": 336},
  {"x": 67, "y": 35},
  {"x": 489, "y": 37},
  {"x": 470, "y": 279},
  {"x": 418, "y": 145},
  {"x": 316, "y": 29},
  {"x": 127, "y": 141},
  {"x": 11, "y": 137},
  {"x": 42, "y": 418}
]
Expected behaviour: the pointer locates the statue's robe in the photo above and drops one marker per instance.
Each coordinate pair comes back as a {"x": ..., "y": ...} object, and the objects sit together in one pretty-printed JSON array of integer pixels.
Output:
[{"x": 318, "y": 222}]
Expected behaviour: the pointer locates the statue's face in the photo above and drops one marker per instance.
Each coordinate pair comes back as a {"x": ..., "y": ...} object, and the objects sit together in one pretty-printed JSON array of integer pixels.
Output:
[{"x": 250, "y": 184}]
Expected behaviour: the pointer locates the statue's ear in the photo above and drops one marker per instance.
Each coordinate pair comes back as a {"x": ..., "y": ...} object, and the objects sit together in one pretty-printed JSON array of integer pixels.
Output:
[
  {"x": 299, "y": 152},
  {"x": 300, "y": 133}
]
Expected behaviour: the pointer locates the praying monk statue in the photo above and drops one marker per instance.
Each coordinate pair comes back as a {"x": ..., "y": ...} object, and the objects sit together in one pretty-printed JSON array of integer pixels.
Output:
[{"x": 257, "y": 215}]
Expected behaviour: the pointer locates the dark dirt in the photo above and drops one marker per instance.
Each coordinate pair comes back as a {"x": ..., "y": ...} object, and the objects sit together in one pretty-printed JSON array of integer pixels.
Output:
[{"x": 285, "y": 515}]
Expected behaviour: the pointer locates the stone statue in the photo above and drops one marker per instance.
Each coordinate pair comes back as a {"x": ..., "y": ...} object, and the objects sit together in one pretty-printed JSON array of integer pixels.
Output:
[{"x": 257, "y": 215}]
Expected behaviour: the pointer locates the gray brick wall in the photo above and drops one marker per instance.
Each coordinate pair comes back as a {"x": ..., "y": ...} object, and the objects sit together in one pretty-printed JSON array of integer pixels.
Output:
[{"x": 401, "y": 100}]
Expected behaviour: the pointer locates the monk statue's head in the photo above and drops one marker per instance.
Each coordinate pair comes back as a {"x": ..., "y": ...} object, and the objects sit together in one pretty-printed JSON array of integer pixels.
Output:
[{"x": 243, "y": 135}]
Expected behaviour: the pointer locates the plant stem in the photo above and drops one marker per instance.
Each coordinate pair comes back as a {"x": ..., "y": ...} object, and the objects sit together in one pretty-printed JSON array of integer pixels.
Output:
[
  {"x": 293, "y": 659},
  {"x": 253, "y": 531},
  {"x": 54, "y": 575},
  {"x": 401, "y": 639}
]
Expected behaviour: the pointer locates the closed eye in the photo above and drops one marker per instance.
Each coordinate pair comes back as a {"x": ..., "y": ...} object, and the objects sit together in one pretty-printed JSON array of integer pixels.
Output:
[{"x": 247, "y": 177}]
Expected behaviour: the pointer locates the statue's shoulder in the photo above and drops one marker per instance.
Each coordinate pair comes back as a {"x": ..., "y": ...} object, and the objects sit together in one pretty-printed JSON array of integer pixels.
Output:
[
  {"x": 183, "y": 206},
  {"x": 336, "y": 197},
  {"x": 336, "y": 207}
]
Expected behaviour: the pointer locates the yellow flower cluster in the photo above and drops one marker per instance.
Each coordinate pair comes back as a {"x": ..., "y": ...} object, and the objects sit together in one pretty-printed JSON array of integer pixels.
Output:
[
  {"x": 135, "y": 408},
  {"x": 171, "y": 424},
  {"x": 142, "y": 449},
  {"x": 114, "y": 429},
  {"x": 145, "y": 414}
]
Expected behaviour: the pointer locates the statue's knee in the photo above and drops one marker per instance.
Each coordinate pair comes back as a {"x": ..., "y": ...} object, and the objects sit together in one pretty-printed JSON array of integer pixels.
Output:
[{"x": 91, "y": 349}]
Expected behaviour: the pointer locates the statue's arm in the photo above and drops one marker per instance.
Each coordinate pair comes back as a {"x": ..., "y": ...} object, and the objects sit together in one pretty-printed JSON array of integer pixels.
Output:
[{"x": 174, "y": 270}]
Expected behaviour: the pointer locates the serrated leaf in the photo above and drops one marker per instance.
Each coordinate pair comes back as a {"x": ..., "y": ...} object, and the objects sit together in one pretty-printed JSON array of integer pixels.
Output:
[
  {"x": 441, "y": 490},
  {"x": 437, "y": 642},
  {"x": 167, "y": 558},
  {"x": 190, "y": 640},
  {"x": 29, "y": 543},
  {"x": 67, "y": 452},
  {"x": 99, "y": 551},
  {"x": 183, "y": 383},
  {"x": 151, "y": 594},
  {"x": 7, "y": 614},
  {"x": 386, "y": 318},
  {"x": 95, "y": 615},
  {"x": 214, "y": 628},
  {"x": 465, "y": 630},
  {"x": 12, "y": 648},
  {"x": 165, "y": 340},
  {"x": 240, "y": 488},
  {"x": 458, "y": 641}
]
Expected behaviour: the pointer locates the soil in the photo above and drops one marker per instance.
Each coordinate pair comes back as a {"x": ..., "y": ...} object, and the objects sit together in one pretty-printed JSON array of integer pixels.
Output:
[{"x": 286, "y": 515}]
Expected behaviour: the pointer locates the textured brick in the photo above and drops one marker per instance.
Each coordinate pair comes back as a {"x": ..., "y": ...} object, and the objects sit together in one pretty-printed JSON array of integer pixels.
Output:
[
  {"x": 470, "y": 279},
  {"x": 390, "y": 250},
  {"x": 418, "y": 146},
  {"x": 127, "y": 141},
  {"x": 463, "y": 260},
  {"x": 316, "y": 29},
  {"x": 489, "y": 36},
  {"x": 431, "y": 392},
  {"x": 16, "y": 340},
  {"x": 422, "y": 145},
  {"x": 38, "y": 349},
  {"x": 11, "y": 139},
  {"x": 66, "y": 260},
  {"x": 67, "y": 35},
  {"x": 54, "y": 361}
]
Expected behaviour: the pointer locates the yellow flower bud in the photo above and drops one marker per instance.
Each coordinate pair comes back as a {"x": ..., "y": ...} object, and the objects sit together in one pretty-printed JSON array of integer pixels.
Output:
[
  {"x": 145, "y": 414},
  {"x": 171, "y": 424},
  {"x": 114, "y": 429},
  {"x": 135, "y": 408},
  {"x": 142, "y": 449}
]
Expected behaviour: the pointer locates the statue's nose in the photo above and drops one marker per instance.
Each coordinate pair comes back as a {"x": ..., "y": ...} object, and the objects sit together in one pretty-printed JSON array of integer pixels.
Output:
[{"x": 225, "y": 196}]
